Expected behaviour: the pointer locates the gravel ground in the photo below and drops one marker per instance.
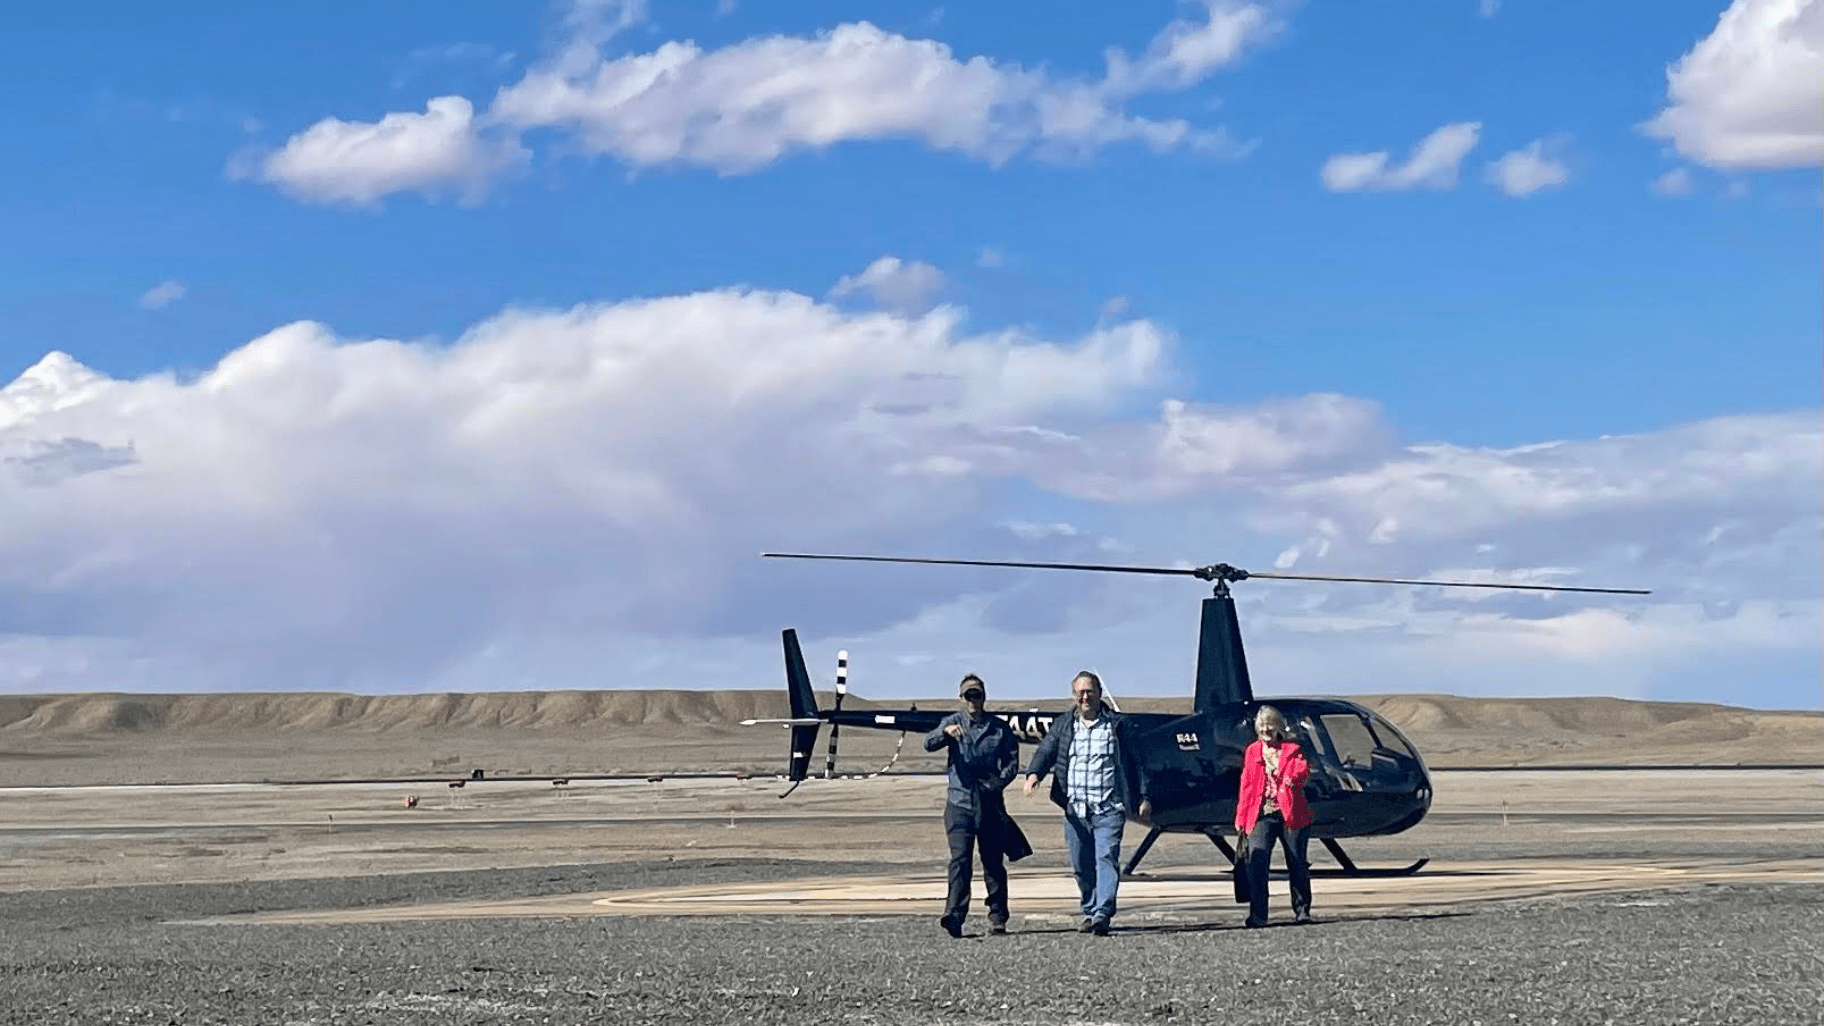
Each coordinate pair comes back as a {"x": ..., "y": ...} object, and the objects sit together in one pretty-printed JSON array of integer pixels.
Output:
[{"x": 1716, "y": 954}]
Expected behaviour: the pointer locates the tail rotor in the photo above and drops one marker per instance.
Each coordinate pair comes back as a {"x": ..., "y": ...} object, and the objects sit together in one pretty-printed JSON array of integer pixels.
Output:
[
  {"x": 842, "y": 688},
  {"x": 805, "y": 719}
]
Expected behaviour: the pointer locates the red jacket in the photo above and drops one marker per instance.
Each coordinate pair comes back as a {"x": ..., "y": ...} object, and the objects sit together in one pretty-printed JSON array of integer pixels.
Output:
[{"x": 1288, "y": 786}]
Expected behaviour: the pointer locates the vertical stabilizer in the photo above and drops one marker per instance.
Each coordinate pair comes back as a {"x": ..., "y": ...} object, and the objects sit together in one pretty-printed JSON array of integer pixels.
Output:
[
  {"x": 804, "y": 706},
  {"x": 1222, "y": 665}
]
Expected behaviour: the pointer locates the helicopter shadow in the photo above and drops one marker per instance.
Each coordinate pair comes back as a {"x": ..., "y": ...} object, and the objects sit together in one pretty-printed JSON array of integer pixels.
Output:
[
  {"x": 1193, "y": 876},
  {"x": 1238, "y": 927},
  {"x": 1231, "y": 927}
]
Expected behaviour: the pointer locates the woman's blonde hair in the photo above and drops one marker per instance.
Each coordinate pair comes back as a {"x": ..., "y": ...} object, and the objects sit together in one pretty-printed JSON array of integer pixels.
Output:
[{"x": 1272, "y": 717}]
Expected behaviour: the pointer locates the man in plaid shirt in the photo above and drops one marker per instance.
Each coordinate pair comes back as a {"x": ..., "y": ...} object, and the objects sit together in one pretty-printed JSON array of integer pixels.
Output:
[{"x": 1096, "y": 785}]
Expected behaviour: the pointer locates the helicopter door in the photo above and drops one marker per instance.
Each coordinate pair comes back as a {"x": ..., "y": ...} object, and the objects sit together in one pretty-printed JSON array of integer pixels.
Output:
[{"x": 1192, "y": 774}]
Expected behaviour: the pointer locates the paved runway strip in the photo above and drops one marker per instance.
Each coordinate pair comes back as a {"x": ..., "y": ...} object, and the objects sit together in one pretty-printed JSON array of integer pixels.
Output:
[{"x": 1047, "y": 896}]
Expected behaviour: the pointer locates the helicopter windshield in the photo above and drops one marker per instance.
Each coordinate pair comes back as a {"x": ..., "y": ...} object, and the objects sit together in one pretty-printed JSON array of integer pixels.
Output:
[
  {"x": 1391, "y": 738},
  {"x": 1356, "y": 739}
]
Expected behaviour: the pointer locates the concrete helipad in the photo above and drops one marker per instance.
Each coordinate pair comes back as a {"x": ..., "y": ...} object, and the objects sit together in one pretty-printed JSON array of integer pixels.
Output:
[{"x": 1041, "y": 896}]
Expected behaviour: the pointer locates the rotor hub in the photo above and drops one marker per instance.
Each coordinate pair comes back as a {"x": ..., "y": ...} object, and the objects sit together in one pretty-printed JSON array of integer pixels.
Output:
[{"x": 1222, "y": 574}]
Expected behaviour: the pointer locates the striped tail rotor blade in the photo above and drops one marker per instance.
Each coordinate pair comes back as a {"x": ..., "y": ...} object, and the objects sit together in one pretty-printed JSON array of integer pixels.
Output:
[{"x": 842, "y": 688}]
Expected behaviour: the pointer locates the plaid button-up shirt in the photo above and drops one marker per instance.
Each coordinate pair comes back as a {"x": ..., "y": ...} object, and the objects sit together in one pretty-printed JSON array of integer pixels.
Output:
[{"x": 1090, "y": 785}]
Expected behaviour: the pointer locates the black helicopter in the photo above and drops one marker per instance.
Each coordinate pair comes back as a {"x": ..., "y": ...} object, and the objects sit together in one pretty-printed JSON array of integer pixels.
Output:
[{"x": 1367, "y": 779}]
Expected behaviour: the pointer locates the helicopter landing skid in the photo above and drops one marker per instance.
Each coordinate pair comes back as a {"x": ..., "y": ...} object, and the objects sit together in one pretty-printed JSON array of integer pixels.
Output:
[{"x": 1349, "y": 868}]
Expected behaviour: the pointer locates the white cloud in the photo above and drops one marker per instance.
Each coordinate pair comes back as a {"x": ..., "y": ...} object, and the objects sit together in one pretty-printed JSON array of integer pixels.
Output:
[
  {"x": 1433, "y": 163},
  {"x": 1593, "y": 502},
  {"x": 1113, "y": 307},
  {"x": 906, "y": 286},
  {"x": 436, "y": 152},
  {"x": 1186, "y": 51},
  {"x": 1488, "y": 8},
  {"x": 1748, "y": 94},
  {"x": 162, "y": 295},
  {"x": 1032, "y": 531},
  {"x": 1527, "y": 170},
  {"x": 593, "y": 23},
  {"x": 561, "y": 490},
  {"x": 990, "y": 257},
  {"x": 312, "y": 495},
  {"x": 741, "y": 107},
  {"x": 1675, "y": 182}
]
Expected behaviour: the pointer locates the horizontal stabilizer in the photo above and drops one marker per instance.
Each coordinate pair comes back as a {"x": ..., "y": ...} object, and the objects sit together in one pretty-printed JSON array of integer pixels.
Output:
[{"x": 809, "y": 721}]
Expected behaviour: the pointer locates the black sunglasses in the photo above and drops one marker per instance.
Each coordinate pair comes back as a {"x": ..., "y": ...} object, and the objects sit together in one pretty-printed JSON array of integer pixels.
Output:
[{"x": 973, "y": 695}]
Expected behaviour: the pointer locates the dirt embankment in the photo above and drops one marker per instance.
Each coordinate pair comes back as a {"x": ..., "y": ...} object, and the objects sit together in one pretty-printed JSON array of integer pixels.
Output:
[
  {"x": 90, "y": 714},
  {"x": 137, "y": 738}
]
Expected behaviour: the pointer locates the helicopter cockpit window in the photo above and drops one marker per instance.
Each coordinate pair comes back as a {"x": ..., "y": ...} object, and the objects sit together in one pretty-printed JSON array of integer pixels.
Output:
[
  {"x": 1391, "y": 739},
  {"x": 1308, "y": 733},
  {"x": 1351, "y": 738}
]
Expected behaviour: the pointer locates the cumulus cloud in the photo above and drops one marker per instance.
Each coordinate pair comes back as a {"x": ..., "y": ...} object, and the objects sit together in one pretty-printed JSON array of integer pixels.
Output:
[
  {"x": 1194, "y": 449},
  {"x": 1717, "y": 509},
  {"x": 1675, "y": 182},
  {"x": 1188, "y": 50},
  {"x": 744, "y": 106},
  {"x": 556, "y": 492},
  {"x": 439, "y": 152},
  {"x": 741, "y": 107},
  {"x": 311, "y": 492},
  {"x": 1432, "y": 164},
  {"x": 1527, "y": 170},
  {"x": 1748, "y": 94},
  {"x": 907, "y": 286},
  {"x": 162, "y": 295}
]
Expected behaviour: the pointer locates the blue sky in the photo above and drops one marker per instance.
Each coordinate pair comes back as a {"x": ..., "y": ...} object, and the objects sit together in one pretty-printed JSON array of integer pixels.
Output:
[{"x": 1648, "y": 298}]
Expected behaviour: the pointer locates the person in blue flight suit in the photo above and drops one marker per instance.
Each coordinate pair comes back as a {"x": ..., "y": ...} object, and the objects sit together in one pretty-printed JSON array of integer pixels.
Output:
[{"x": 984, "y": 758}]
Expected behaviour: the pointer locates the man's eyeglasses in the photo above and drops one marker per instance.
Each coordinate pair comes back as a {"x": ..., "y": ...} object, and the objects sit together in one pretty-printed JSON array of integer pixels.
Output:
[{"x": 973, "y": 696}]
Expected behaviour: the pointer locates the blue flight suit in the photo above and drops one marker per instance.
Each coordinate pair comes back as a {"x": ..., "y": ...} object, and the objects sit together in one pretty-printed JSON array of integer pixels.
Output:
[{"x": 981, "y": 764}]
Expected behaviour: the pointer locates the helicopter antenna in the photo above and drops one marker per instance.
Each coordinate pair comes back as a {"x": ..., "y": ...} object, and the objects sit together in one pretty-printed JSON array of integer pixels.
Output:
[{"x": 1221, "y": 573}]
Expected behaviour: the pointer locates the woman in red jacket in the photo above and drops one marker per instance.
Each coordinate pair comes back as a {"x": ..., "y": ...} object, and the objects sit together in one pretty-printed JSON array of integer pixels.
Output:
[{"x": 1270, "y": 807}]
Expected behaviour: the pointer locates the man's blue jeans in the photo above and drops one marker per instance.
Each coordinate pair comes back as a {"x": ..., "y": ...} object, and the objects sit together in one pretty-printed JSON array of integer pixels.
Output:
[{"x": 1095, "y": 858}]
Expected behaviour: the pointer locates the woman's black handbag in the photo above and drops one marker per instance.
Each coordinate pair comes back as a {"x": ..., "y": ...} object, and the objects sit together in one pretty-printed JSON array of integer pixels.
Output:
[{"x": 1240, "y": 873}]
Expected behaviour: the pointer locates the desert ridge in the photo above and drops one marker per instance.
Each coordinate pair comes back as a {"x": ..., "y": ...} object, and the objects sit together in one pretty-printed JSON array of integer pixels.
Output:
[{"x": 124, "y": 738}]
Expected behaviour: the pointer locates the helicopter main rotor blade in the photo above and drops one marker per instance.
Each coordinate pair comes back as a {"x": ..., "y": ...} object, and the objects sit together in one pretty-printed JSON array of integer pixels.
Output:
[
  {"x": 1184, "y": 571},
  {"x": 1451, "y": 584},
  {"x": 1218, "y": 571}
]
